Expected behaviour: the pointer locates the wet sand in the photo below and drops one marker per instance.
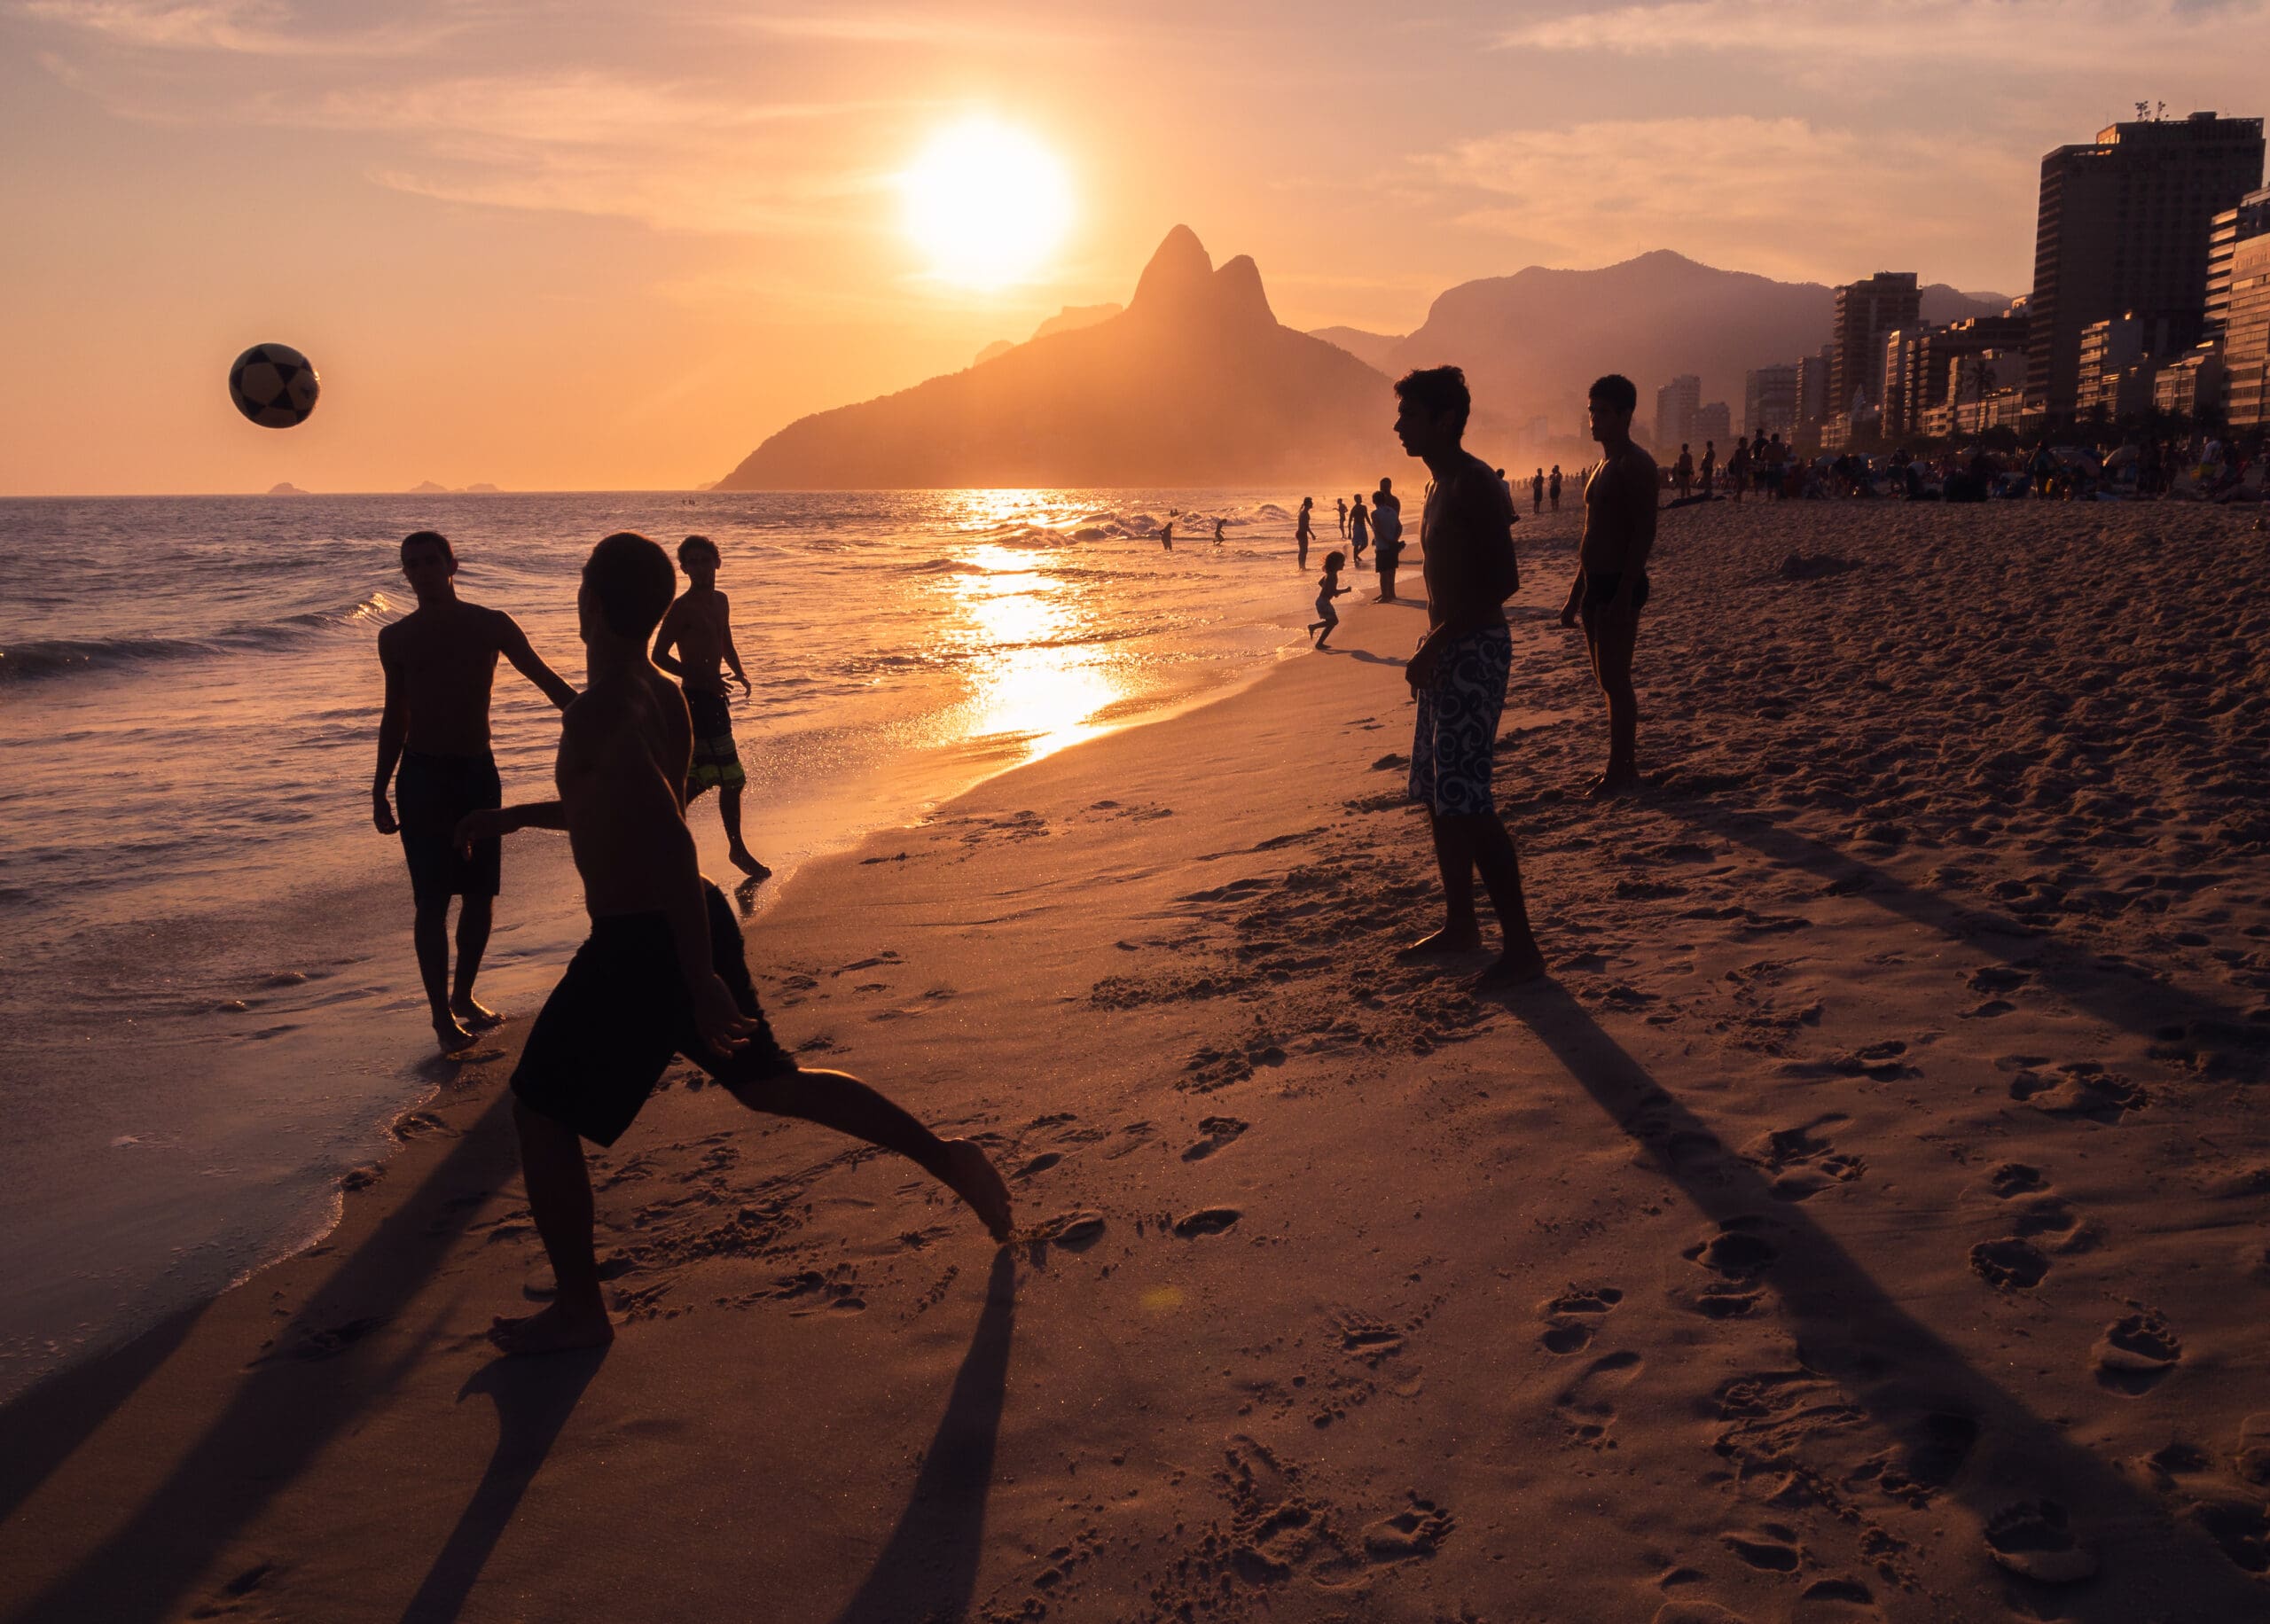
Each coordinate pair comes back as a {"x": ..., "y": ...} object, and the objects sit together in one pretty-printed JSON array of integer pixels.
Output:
[{"x": 1871, "y": 1219}]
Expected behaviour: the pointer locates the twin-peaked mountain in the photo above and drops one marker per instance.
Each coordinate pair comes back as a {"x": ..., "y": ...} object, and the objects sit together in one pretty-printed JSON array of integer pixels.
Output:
[{"x": 1194, "y": 382}]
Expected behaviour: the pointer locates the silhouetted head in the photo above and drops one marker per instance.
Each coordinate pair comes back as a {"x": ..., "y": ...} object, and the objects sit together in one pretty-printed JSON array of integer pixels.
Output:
[
  {"x": 628, "y": 583},
  {"x": 429, "y": 562},
  {"x": 1435, "y": 405},
  {"x": 1335, "y": 562},
  {"x": 1388, "y": 485},
  {"x": 1611, "y": 400},
  {"x": 698, "y": 557}
]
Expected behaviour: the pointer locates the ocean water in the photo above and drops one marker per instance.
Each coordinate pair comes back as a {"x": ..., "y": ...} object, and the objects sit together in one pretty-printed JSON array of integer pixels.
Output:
[{"x": 211, "y": 1012}]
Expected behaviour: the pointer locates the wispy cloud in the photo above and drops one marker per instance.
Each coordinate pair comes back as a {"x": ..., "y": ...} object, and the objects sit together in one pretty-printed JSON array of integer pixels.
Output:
[
  {"x": 1780, "y": 195},
  {"x": 244, "y": 27}
]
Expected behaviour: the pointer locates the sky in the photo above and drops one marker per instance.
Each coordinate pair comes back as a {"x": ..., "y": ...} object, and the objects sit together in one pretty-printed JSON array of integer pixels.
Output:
[{"x": 602, "y": 246}]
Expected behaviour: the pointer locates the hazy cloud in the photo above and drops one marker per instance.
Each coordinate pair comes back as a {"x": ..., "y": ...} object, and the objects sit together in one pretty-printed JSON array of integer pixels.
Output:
[{"x": 248, "y": 28}]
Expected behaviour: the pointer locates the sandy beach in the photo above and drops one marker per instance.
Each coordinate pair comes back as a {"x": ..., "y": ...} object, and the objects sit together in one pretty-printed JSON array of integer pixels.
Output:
[{"x": 1871, "y": 1218}]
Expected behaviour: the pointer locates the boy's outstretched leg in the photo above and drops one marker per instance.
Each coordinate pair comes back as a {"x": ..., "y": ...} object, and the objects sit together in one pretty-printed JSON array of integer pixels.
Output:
[
  {"x": 728, "y": 808},
  {"x": 560, "y": 1200},
  {"x": 840, "y": 1101},
  {"x": 474, "y": 917}
]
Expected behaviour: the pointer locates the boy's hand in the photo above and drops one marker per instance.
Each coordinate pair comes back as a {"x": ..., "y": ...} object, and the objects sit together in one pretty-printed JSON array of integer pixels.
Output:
[
  {"x": 382, "y": 814},
  {"x": 488, "y": 824},
  {"x": 742, "y": 678},
  {"x": 1420, "y": 670},
  {"x": 719, "y": 1019}
]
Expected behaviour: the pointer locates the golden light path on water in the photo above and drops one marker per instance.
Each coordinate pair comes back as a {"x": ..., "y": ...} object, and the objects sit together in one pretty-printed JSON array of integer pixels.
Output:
[{"x": 1035, "y": 682}]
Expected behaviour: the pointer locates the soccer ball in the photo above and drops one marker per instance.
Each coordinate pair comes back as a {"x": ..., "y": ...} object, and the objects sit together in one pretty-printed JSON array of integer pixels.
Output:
[{"x": 273, "y": 385}]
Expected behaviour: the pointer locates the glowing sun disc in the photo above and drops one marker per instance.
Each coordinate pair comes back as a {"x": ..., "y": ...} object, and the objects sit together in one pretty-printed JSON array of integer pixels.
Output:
[{"x": 988, "y": 204}]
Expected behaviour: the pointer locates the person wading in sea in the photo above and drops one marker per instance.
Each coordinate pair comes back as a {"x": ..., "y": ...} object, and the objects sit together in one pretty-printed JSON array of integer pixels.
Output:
[
  {"x": 439, "y": 662},
  {"x": 663, "y": 973}
]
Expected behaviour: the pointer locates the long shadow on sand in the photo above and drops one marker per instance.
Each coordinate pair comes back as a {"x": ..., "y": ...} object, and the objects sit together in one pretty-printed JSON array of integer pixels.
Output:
[
  {"x": 2111, "y": 991},
  {"x": 1963, "y": 1435},
  {"x": 534, "y": 1398},
  {"x": 929, "y": 1567},
  {"x": 289, "y": 1406}
]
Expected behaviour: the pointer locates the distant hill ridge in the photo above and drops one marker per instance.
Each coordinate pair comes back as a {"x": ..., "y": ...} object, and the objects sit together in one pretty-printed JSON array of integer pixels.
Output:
[
  {"x": 1194, "y": 382},
  {"x": 1533, "y": 341}
]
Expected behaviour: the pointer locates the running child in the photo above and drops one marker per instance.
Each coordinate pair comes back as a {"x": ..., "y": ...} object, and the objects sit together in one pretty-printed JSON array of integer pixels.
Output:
[
  {"x": 699, "y": 625},
  {"x": 1327, "y": 588}
]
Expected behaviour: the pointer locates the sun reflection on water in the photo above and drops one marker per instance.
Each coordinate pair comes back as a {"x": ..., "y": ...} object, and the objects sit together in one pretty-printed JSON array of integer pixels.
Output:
[{"x": 1038, "y": 681}]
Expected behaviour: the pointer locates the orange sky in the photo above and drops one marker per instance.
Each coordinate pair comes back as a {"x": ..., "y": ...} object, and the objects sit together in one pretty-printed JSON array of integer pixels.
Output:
[{"x": 616, "y": 247}]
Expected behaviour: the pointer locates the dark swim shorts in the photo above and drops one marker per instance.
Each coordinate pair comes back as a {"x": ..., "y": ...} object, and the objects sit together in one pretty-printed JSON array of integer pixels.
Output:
[
  {"x": 1598, "y": 589},
  {"x": 1455, "y": 742},
  {"x": 610, "y": 1028},
  {"x": 432, "y": 795},
  {"x": 716, "y": 763}
]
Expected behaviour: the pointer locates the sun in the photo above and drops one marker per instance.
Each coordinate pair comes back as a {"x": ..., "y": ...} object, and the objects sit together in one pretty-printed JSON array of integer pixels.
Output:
[{"x": 987, "y": 203}]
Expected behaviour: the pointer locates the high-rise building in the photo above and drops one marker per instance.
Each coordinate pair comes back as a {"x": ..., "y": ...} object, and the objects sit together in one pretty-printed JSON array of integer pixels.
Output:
[
  {"x": 2248, "y": 220},
  {"x": 2123, "y": 226},
  {"x": 1864, "y": 312},
  {"x": 1931, "y": 375},
  {"x": 1715, "y": 421},
  {"x": 1812, "y": 393},
  {"x": 1675, "y": 405},
  {"x": 1902, "y": 387},
  {"x": 2116, "y": 376},
  {"x": 2246, "y": 333},
  {"x": 1769, "y": 400}
]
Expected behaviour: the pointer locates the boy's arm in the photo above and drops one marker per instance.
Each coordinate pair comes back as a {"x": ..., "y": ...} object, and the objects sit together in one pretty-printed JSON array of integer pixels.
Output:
[
  {"x": 732, "y": 654},
  {"x": 394, "y": 725},
  {"x": 666, "y": 639},
  {"x": 512, "y": 642},
  {"x": 495, "y": 823}
]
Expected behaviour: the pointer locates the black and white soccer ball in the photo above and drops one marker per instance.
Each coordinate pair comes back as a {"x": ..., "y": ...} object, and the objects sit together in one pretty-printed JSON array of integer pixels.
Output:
[{"x": 274, "y": 386}]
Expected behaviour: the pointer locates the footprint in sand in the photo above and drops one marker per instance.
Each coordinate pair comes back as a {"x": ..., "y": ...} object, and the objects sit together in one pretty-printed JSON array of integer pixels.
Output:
[
  {"x": 1772, "y": 1546},
  {"x": 2251, "y": 1459},
  {"x": 1073, "y": 1231},
  {"x": 2136, "y": 1353},
  {"x": 1205, "y": 1221},
  {"x": 2014, "y": 1178},
  {"x": 2009, "y": 1263},
  {"x": 1569, "y": 1318},
  {"x": 2035, "y": 1540},
  {"x": 1588, "y": 1404},
  {"x": 1417, "y": 1531},
  {"x": 1220, "y": 1131},
  {"x": 2083, "y": 1090}
]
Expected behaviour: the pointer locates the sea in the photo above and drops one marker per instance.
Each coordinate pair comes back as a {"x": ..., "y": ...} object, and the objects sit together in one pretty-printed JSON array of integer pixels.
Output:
[{"x": 210, "y": 1013}]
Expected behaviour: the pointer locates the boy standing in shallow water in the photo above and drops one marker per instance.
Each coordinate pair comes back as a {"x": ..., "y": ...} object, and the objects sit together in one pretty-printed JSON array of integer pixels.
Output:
[
  {"x": 699, "y": 625},
  {"x": 439, "y": 662},
  {"x": 663, "y": 972}
]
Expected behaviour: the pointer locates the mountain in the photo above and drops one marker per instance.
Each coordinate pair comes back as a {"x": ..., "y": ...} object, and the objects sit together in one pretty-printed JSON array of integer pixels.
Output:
[
  {"x": 427, "y": 488},
  {"x": 1194, "y": 382},
  {"x": 482, "y": 489},
  {"x": 1374, "y": 349},
  {"x": 285, "y": 489},
  {"x": 1071, "y": 318},
  {"x": 1531, "y": 343}
]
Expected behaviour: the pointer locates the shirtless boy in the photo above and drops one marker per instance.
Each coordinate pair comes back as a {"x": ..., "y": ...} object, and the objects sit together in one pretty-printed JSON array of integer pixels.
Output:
[
  {"x": 663, "y": 972},
  {"x": 439, "y": 661},
  {"x": 700, "y": 626},
  {"x": 1611, "y": 585},
  {"x": 1459, "y": 673}
]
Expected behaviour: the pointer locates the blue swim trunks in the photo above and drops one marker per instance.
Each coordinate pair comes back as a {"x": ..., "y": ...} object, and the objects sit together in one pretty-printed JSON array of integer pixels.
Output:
[{"x": 1455, "y": 741}]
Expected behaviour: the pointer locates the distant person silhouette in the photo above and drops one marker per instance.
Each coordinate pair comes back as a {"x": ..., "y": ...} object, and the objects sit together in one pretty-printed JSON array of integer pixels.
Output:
[
  {"x": 1359, "y": 523},
  {"x": 1537, "y": 493},
  {"x": 1553, "y": 487},
  {"x": 1682, "y": 472},
  {"x": 1611, "y": 586},
  {"x": 1777, "y": 466},
  {"x": 1301, "y": 532},
  {"x": 1738, "y": 468},
  {"x": 1343, "y": 519},
  {"x": 1166, "y": 535},
  {"x": 439, "y": 662},
  {"x": 700, "y": 626},
  {"x": 1508, "y": 484},
  {"x": 1219, "y": 523},
  {"x": 1327, "y": 588},
  {"x": 1387, "y": 537},
  {"x": 1710, "y": 470},
  {"x": 1459, "y": 672},
  {"x": 663, "y": 973}
]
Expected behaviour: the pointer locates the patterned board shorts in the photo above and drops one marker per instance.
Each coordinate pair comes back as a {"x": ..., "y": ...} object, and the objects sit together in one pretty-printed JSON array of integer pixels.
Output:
[
  {"x": 1456, "y": 738},
  {"x": 716, "y": 763}
]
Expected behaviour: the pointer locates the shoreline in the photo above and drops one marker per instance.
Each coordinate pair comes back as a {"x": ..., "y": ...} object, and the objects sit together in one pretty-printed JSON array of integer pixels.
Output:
[{"x": 1804, "y": 1216}]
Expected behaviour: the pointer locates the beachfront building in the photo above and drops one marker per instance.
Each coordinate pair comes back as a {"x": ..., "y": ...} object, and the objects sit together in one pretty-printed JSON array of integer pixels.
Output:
[
  {"x": 2248, "y": 220},
  {"x": 1675, "y": 406},
  {"x": 2117, "y": 372},
  {"x": 1769, "y": 400},
  {"x": 1987, "y": 390},
  {"x": 1866, "y": 312},
  {"x": 1929, "y": 378},
  {"x": 2246, "y": 335},
  {"x": 2123, "y": 227},
  {"x": 1813, "y": 395},
  {"x": 2191, "y": 386},
  {"x": 1714, "y": 421}
]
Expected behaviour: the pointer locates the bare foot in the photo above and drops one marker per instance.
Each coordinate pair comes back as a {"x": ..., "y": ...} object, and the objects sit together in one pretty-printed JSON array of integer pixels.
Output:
[
  {"x": 1443, "y": 940},
  {"x": 555, "y": 1330},
  {"x": 1608, "y": 787},
  {"x": 750, "y": 866},
  {"x": 451, "y": 1037},
  {"x": 1510, "y": 969},
  {"x": 473, "y": 1015},
  {"x": 971, "y": 1175}
]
